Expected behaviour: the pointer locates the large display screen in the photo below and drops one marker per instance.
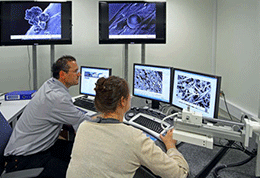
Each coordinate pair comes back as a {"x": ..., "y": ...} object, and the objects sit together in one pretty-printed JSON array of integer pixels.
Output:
[
  {"x": 89, "y": 77},
  {"x": 152, "y": 82},
  {"x": 132, "y": 22},
  {"x": 198, "y": 91},
  {"x": 33, "y": 23}
]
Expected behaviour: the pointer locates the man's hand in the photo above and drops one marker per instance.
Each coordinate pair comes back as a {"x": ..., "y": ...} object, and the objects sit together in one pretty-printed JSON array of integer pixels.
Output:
[{"x": 95, "y": 117}]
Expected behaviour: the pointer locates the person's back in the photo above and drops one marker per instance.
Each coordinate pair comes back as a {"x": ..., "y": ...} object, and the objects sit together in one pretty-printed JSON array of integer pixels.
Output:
[
  {"x": 35, "y": 124},
  {"x": 34, "y": 141},
  {"x": 110, "y": 148},
  {"x": 118, "y": 150}
]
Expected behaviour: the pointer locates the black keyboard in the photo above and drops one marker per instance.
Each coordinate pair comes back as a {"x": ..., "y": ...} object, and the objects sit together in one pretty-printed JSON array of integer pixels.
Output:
[
  {"x": 86, "y": 104},
  {"x": 150, "y": 124}
]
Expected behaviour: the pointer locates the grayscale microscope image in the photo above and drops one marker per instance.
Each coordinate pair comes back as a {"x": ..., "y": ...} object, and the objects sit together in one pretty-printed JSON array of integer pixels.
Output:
[
  {"x": 194, "y": 91},
  {"x": 148, "y": 80},
  {"x": 93, "y": 75}
]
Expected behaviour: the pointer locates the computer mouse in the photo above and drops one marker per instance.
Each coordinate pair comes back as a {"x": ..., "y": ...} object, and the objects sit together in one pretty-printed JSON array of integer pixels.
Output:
[{"x": 130, "y": 114}]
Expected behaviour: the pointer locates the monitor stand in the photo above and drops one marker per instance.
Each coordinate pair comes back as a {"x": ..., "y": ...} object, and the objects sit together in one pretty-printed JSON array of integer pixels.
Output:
[
  {"x": 85, "y": 96},
  {"x": 155, "y": 104}
]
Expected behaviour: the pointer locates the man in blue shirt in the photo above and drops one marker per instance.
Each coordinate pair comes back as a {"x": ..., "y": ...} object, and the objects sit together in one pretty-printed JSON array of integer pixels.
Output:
[{"x": 34, "y": 141}]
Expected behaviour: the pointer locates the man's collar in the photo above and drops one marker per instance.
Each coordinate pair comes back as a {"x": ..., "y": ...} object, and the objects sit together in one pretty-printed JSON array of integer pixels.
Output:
[{"x": 54, "y": 80}]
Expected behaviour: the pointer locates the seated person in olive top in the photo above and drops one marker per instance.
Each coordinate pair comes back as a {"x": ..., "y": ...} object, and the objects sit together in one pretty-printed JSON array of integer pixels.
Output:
[
  {"x": 110, "y": 148},
  {"x": 34, "y": 141}
]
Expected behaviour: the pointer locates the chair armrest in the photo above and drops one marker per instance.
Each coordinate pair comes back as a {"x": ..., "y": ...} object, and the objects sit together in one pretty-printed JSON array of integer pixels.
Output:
[{"x": 23, "y": 173}]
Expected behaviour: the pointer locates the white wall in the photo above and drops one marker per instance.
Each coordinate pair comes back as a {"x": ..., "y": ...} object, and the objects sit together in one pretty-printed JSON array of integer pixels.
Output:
[
  {"x": 238, "y": 52},
  {"x": 189, "y": 46}
]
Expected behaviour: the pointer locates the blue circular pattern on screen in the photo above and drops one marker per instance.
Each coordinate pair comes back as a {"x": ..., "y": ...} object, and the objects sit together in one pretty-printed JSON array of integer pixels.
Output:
[{"x": 132, "y": 19}]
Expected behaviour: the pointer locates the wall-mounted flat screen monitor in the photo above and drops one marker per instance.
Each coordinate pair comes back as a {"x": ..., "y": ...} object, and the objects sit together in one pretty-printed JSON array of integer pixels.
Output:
[
  {"x": 199, "y": 91},
  {"x": 132, "y": 22},
  {"x": 36, "y": 22},
  {"x": 89, "y": 77},
  {"x": 152, "y": 82}
]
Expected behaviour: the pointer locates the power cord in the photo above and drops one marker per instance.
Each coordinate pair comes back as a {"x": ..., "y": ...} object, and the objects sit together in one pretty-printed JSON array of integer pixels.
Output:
[
  {"x": 240, "y": 147},
  {"x": 217, "y": 169},
  {"x": 3, "y": 94},
  {"x": 223, "y": 94},
  {"x": 148, "y": 104},
  {"x": 163, "y": 108},
  {"x": 167, "y": 117}
]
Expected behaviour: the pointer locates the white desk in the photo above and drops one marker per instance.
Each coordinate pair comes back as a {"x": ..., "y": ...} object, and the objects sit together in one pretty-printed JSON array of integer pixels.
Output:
[{"x": 12, "y": 109}]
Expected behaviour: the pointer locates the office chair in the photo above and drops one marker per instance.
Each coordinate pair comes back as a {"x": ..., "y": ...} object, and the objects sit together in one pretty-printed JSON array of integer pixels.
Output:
[{"x": 5, "y": 133}]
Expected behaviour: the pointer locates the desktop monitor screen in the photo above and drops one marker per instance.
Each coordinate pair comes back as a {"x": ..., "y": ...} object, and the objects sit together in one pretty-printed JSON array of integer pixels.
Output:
[
  {"x": 35, "y": 23},
  {"x": 152, "y": 82},
  {"x": 89, "y": 77},
  {"x": 132, "y": 22},
  {"x": 199, "y": 91}
]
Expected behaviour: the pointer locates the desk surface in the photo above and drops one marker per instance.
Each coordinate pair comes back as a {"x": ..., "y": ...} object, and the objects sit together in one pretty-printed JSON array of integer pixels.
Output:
[
  {"x": 197, "y": 157},
  {"x": 11, "y": 109}
]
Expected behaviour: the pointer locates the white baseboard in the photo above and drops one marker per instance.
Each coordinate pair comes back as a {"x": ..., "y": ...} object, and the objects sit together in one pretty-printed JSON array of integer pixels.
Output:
[{"x": 236, "y": 110}]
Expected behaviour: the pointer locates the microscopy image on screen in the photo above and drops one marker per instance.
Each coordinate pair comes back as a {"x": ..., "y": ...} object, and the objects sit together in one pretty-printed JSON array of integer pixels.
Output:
[
  {"x": 194, "y": 91},
  {"x": 148, "y": 80},
  {"x": 44, "y": 21},
  {"x": 132, "y": 19},
  {"x": 32, "y": 21},
  {"x": 88, "y": 75}
]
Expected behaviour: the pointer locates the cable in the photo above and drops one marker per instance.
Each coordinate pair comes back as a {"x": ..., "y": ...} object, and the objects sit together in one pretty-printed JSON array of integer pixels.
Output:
[
  {"x": 163, "y": 120},
  {"x": 215, "y": 172},
  {"x": 148, "y": 104},
  {"x": 243, "y": 116},
  {"x": 226, "y": 105},
  {"x": 238, "y": 147},
  {"x": 163, "y": 108},
  {"x": 3, "y": 94}
]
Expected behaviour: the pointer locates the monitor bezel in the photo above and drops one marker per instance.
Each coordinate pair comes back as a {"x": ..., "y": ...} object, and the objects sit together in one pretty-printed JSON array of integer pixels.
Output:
[
  {"x": 217, "y": 94},
  {"x": 103, "y": 29},
  {"x": 66, "y": 25},
  {"x": 91, "y": 67},
  {"x": 158, "y": 66}
]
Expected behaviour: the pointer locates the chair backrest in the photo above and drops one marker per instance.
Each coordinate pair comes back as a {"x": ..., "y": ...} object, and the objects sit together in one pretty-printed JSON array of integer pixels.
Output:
[{"x": 5, "y": 133}]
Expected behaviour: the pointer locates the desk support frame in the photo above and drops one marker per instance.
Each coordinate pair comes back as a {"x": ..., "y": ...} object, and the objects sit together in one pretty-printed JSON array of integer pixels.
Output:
[
  {"x": 143, "y": 53},
  {"x": 52, "y": 56},
  {"x": 34, "y": 67},
  {"x": 125, "y": 63}
]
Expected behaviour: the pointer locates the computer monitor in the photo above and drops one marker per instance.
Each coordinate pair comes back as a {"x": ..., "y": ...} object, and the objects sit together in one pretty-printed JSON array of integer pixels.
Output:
[
  {"x": 89, "y": 77},
  {"x": 132, "y": 22},
  {"x": 199, "y": 91},
  {"x": 35, "y": 22},
  {"x": 152, "y": 82}
]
